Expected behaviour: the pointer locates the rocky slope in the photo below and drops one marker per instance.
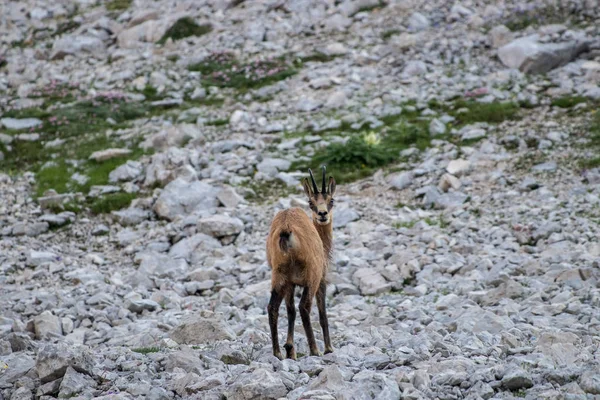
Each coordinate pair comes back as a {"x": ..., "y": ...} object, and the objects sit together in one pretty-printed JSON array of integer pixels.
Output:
[{"x": 146, "y": 146}]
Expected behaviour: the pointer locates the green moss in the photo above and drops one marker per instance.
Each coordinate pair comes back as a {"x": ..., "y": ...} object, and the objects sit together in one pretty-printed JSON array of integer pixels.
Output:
[
  {"x": 369, "y": 8},
  {"x": 118, "y": 5},
  {"x": 185, "y": 27},
  {"x": 316, "y": 57},
  {"x": 55, "y": 177},
  {"x": 364, "y": 153},
  {"x": 66, "y": 26},
  {"x": 389, "y": 33},
  {"x": 261, "y": 193},
  {"x": 568, "y": 101},
  {"x": 146, "y": 350},
  {"x": 494, "y": 112},
  {"x": 151, "y": 93},
  {"x": 111, "y": 202},
  {"x": 223, "y": 70},
  {"x": 218, "y": 122},
  {"x": 407, "y": 224}
]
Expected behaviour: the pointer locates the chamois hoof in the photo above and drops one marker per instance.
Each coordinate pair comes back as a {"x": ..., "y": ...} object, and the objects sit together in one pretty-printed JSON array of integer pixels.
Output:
[
  {"x": 290, "y": 351},
  {"x": 329, "y": 350},
  {"x": 278, "y": 354}
]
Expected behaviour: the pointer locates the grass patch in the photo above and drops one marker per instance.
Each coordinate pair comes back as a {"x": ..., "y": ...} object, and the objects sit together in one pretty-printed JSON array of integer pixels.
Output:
[
  {"x": 369, "y": 8},
  {"x": 185, "y": 27},
  {"x": 594, "y": 143},
  {"x": 218, "y": 122},
  {"x": 118, "y": 5},
  {"x": 260, "y": 193},
  {"x": 316, "y": 57},
  {"x": 111, "y": 202},
  {"x": 389, "y": 33},
  {"x": 521, "y": 18},
  {"x": 407, "y": 224},
  {"x": 80, "y": 127},
  {"x": 221, "y": 69},
  {"x": 66, "y": 26},
  {"x": 568, "y": 101},
  {"x": 146, "y": 350},
  {"x": 151, "y": 94},
  {"x": 364, "y": 153},
  {"x": 494, "y": 112}
]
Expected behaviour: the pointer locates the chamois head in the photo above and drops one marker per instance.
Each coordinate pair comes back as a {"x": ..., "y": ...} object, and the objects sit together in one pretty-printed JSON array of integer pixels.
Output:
[{"x": 320, "y": 203}]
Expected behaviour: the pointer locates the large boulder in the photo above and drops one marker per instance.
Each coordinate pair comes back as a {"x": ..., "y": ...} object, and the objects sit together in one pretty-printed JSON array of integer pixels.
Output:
[
  {"x": 182, "y": 197},
  {"x": 221, "y": 227},
  {"x": 530, "y": 56},
  {"x": 77, "y": 45},
  {"x": 53, "y": 361},
  {"x": 201, "y": 329}
]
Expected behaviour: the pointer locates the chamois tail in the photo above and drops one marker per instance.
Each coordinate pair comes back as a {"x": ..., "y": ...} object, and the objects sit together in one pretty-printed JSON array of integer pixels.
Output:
[{"x": 286, "y": 241}]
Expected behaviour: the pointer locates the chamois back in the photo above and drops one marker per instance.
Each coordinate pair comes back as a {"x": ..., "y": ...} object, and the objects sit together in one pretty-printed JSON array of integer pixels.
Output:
[{"x": 295, "y": 250}]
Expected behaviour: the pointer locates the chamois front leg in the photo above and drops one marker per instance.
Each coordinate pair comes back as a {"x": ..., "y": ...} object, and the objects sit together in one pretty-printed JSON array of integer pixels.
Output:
[
  {"x": 305, "y": 306},
  {"x": 291, "y": 314},
  {"x": 321, "y": 294},
  {"x": 273, "y": 310}
]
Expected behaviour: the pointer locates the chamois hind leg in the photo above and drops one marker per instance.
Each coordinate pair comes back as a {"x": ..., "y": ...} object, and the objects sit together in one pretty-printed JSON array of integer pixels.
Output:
[
  {"x": 273, "y": 309},
  {"x": 305, "y": 306},
  {"x": 321, "y": 294},
  {"x": 291, "y": 314}
]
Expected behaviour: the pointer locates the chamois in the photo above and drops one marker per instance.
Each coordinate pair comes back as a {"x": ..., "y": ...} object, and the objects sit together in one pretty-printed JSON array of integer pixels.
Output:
[{"x": 299, "y": 253}]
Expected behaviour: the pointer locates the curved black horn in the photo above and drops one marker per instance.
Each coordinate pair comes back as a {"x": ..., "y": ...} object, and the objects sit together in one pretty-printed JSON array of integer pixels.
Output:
[
  {"x": 323, "y": 189},
  {"x": 314, "y": 184}
]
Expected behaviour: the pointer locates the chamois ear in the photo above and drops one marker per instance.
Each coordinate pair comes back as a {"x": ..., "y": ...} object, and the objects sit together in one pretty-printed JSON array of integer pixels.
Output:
[
  {"x": 331, "y": 186},
  {"x": 307, "y": 189}
]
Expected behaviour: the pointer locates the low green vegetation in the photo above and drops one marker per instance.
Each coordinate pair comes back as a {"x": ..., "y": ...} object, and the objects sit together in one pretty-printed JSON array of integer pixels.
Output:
[
  {"x": 185, "y": 27},
  {"x": 260, "y": 193},
  {"x": 315, "y": 57},
  {"x": 222, "y": 69},
  {"x": 521, "y": 17},
  {"x": 146, "y": 350},
  {"x": 594, "y": 143},
  {"x": 365, "y": 152},
  {"x": 218, "y": 122},
  {"x": 111, "y": 202},
  {"x": 369, "y": 8},
  {"x": 568, "y": 101},
  {"x": 118, "y": 5},
  {"x": 471, "y": 111},
  {"x": 406, "y": 224},
  {"x": 68, "y": 136},
  {"x": 389, "y": 33}
]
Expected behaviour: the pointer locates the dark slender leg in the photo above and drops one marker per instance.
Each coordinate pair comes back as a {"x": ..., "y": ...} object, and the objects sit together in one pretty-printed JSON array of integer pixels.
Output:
[
  {"x": 305, "y": 306},
  {"x": 291, "y": 314},
  {"x": 273, "y": 310},
  {"x": 321, "y": 294}
]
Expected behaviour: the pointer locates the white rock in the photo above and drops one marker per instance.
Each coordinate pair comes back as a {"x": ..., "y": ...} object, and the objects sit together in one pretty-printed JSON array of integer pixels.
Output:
[
  {"x": 437, "y": 127},
  {"x": 107, "y": 154},
  {"x": 414, "y": 68},
  {"x": 401, "y": 180},
  {"x": 181, "y": 197},
  {"x": 448, "y": 181},
  {"x": 47, "y": 325},
  {"x": 418, "y": 22},
  {"x": 76, "y": 45},
  {"x": 337, "y": 99},
  {"x": 23, "y": 123},
  {"x": 500, "y": 35},
  {"x": 220, "y": 226},
  {"x": 530, "y": 56},
  {"x": 458, "y": 167},
  {"x": 201, "y": 329}
]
